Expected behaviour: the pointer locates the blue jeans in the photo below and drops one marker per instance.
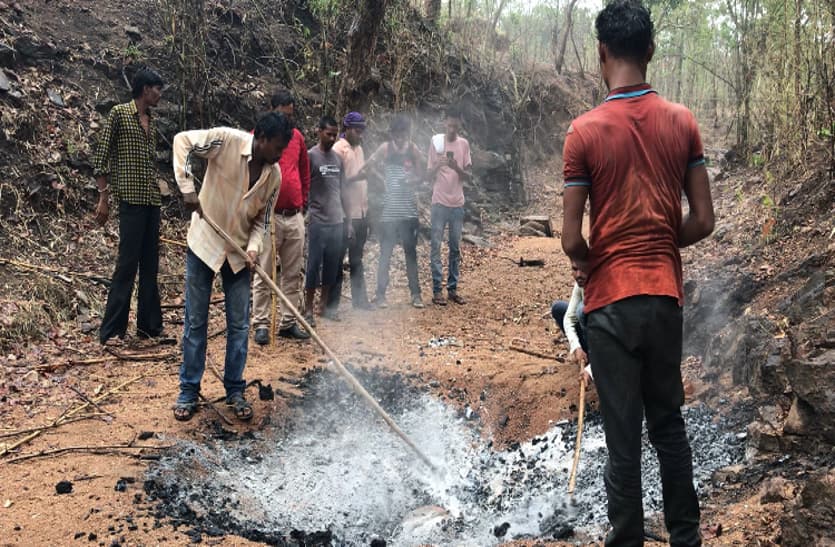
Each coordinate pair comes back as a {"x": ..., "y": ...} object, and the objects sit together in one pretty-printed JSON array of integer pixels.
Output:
[
  {"x": 558, "y": 310},
  {"x": 199, "y": 278},
  {"x": 441, "y": 217}
]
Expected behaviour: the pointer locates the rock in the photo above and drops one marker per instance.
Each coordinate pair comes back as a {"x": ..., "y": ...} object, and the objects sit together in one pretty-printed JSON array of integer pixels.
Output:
[
  {"x": 776, "y": 489},
  {"x": 501, "y": 530},
  {"x": 540, "y": 222},
  {"x": 55, "y": 98},
  {"x": 376, "y": 542},
  {"x": 762, "y": 438},
  {"x": 806, "y": 301},
  {"x": 813, "y": 381},
  {"x": 63, "y": 487},
  {"x": 476, "y": 240},
  {"x": 32, "y": 50},
  {"x": 8, "y": 55},
  {"x": 812, "y": 519},
  {"x": 532, "y": 230},
  {"x": 503, "y": 420},
  {"x": 800, "y": 418},
  {"x": 121, "y": 485},
  {"x": 133, "y": 33},
  {"x": 729, "y": 474},
  {"x": 5, "y": 83}
]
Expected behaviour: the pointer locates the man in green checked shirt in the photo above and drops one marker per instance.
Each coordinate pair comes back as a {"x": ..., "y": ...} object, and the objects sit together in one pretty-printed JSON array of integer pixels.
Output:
[{"x": 127, "y": 156}]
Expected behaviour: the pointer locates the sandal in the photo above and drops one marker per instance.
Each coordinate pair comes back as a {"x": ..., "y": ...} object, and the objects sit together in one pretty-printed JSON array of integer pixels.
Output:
[
  {"x": 184, "y": 412},
  {"x": 241, "y": 407}
]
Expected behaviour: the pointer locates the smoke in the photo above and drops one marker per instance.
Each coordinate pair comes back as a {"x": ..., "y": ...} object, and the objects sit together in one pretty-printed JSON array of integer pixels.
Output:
[{"x": 336, "y": 467}]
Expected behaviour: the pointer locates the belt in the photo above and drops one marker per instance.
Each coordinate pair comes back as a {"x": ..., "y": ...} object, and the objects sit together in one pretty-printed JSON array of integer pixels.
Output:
[{"x": 287, "y": 212}]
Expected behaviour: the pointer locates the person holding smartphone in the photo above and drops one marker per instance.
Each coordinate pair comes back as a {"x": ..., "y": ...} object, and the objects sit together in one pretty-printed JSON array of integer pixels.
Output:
[{"x": 449, "y": 166}]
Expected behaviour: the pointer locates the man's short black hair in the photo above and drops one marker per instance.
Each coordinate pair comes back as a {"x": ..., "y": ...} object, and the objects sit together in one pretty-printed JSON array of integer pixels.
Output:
[
  {"x": 282, "y": 97},
  {"x": 144, "y": 76},
  {"x": 272, "y": 125},
  {"x": 625, "y": 28},
  {"x": 400, "y": 124},
  {"x": 453, "y": 112},
  {"x": 327, "y": 121}
]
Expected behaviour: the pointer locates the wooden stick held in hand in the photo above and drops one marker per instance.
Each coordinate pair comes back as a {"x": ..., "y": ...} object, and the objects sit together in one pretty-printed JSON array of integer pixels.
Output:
[
  {"x": 578, "y": 442},
  {"x": 337, "y": 364}
]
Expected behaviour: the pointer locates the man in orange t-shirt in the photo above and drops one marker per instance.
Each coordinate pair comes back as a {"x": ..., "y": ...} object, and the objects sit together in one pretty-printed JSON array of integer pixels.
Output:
[{"x": 632, "y": 157}]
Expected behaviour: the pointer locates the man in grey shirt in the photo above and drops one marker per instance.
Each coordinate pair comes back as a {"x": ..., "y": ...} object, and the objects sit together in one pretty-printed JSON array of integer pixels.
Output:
[{"x": 327, "y": 213}]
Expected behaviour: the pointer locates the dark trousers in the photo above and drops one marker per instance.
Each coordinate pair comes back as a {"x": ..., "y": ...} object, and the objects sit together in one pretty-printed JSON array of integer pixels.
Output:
[
  {"x": 635, "y": 355},
  {"x": 404, "y": 232},
  {"x": 355, "y": 250},
  {"x": 558, "y": 310},
  {"x": 138, "y": 249}
]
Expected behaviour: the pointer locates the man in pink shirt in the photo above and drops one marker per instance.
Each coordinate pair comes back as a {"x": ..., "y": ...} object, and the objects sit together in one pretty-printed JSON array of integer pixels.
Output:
[
  {"x": 449, "y": 166},
  {"x": 349, "y": 148}
]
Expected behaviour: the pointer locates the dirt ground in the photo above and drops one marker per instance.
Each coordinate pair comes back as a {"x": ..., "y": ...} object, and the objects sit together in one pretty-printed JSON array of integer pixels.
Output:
[{"x": 505, "y": 302}]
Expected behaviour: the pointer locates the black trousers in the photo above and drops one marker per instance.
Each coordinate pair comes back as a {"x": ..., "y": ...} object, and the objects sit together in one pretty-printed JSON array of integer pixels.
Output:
[
  {"x": 138, "y": 249},
  {"x": 635, "y": 354},
  {"x": 355, "y": 250}
]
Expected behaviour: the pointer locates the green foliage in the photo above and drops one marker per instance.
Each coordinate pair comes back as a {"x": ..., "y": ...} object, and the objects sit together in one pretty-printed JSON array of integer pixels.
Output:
[{"x": 132, "y": 52}]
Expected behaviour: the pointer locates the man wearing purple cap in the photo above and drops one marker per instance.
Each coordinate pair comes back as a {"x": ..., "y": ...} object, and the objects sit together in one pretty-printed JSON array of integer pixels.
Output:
[{"x": 349, "y": 148}]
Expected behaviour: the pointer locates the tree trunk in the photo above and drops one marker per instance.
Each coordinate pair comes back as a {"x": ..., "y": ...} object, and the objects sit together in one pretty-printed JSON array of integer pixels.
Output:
[
  {"x": 359, "y": 56},
  {"x": 558, "y": 63},
  {"x": 433, "y": 10},
  {"x": 498, "y": 14}
]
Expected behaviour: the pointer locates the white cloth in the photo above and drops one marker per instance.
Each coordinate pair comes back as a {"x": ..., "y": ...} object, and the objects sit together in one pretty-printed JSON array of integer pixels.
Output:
[{"x": 570, "y": 320}]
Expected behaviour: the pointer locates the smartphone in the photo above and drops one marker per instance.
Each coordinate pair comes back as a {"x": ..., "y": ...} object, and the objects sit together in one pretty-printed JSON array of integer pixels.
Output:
[{"x": 449, "y": 156}]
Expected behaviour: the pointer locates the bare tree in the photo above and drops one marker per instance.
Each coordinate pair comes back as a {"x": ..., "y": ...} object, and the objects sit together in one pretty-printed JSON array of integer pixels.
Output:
[
  {"x": 566, "y": 31},
  {"x": 433, "y": 10},
  {"x": 362, "y": 40}
]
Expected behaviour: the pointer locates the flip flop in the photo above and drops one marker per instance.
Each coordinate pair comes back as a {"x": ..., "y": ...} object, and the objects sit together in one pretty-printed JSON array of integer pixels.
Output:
[
  {"x": 242, "y": 408},
  {"x": 184, "y": 412}
]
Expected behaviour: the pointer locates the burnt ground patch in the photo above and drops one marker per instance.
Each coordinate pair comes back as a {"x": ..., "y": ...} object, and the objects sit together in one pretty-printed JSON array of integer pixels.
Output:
[{"x": 333, "y": 474}]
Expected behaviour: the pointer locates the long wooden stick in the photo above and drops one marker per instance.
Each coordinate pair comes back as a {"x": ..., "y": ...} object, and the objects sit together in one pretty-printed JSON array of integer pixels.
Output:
[
  {"x": 533, "y": 353},
  {"x": 579, "y": 440},
  {"x": 273, "y": 299},
  {"x": 337, "y": 364}
]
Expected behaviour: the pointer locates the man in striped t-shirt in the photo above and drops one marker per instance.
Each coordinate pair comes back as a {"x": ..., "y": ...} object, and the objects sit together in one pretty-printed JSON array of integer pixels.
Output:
[
  {"x": 632, "y": 157},
  {"x": 402, "y": 166}
]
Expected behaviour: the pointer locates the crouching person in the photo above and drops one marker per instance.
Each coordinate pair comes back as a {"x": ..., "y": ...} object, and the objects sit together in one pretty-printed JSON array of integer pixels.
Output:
[{"x": 237, "y": 193}]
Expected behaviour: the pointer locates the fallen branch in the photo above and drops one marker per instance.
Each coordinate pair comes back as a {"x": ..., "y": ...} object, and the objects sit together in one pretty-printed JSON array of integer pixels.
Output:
[
  {"x": 141, "y": 356},
  {"x": 42, "y": 427},
  {"x": 106, "y": 449},
  {"x": 88, "y": 400},
  {"x": 177, "y": 306},
  {"x": 73, "y": 362},
  {"x": 55, "y": 272},
  {"x": 211, "y": 405},
  {"x": 173, "y": 242},
  {"x": 64, "y": 417},
  {"x": 533, "y": 353}
]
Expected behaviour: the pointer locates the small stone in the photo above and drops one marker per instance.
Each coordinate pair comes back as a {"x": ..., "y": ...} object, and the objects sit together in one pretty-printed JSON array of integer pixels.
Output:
[
  {"x": 145, "y": 435},
  {"x": 500, "y": 530},
  {"x": 5, "y": 83},
  {"x": 121, "y": 485},
  {"x": 55, "y": 98},
  {"x": 79, "y": 535},
  {"x": 503, "y": 420},
  {"x": 92, "y": 537},
  {"x": 133, "y": 33},
  {"x": 63, "y": 487}
]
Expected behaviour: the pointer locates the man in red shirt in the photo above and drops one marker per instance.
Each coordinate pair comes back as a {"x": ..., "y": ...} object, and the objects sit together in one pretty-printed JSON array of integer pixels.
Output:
[
  {"x": 288, "y": 231},
  {"x": 632, "y": 157}
]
